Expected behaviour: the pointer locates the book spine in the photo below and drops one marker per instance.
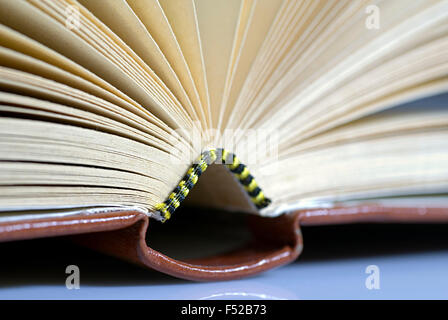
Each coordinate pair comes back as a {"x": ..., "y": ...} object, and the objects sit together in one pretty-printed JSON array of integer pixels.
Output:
[{"x": 165, "y": 209}]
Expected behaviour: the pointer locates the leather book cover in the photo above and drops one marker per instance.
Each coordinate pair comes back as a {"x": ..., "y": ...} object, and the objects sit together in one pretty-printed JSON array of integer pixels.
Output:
[{"x": 273, "y": 242}]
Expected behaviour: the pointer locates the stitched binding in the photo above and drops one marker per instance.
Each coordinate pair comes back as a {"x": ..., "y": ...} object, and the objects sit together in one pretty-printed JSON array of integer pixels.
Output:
[{"x": 165, "y": 209}]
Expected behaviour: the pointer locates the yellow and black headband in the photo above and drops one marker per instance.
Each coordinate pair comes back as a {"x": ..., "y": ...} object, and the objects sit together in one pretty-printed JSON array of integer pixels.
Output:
[{"x": 240, "y": 171}]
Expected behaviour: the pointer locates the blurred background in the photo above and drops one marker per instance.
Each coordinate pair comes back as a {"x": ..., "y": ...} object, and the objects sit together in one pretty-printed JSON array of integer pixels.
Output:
[{"x": 412, "y": 260}]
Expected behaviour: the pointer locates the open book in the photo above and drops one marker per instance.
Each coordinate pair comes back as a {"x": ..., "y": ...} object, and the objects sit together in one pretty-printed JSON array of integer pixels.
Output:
[{"x": 126, "y": 110}]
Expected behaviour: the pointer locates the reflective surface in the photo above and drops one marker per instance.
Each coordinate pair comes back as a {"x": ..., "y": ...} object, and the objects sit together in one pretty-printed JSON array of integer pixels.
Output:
[{"x": 412, "y": 262}]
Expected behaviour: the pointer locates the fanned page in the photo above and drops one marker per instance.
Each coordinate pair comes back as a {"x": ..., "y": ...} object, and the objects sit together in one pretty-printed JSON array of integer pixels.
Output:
[{"x": 266, "y": 105}]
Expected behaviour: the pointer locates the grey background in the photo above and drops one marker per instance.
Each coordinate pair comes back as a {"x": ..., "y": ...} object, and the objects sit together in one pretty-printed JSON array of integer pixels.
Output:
[{"x": 412, "y": 259}]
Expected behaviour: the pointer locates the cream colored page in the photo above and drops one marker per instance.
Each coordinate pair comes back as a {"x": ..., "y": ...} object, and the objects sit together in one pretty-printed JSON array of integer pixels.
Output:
[
  {"x": 391, "y": 122},
  {"x": 120, "y": 18},
  {"x": 359, "y": 55},
  {"x": 417, "y": 74},
  {"x": 97, "y": 35},
  {"x": 404, "y": 65},
  {"x": 21, "y": 43},
  {"x": 293, "y": 15},
  {"x": 263, "y": 15},
  {"x": 70, "y": 105},
  {"x": 109, "y": 164},
  {"x": 151, "y": 15},
  {"x": 364, "y": 169},
  {"x": 17, "y": 61},
  {"x": 101, "y": 151},
  {"x": 246, "y": 14},
  {"x": 32, "y": 22},
  {"x": 218, "y": 22},
  {"x": 54, "y": 197},
  {"x": 30, "y": 84},
  {"x": 183, "y": 21},
  {"x": 297, "y": 35}
]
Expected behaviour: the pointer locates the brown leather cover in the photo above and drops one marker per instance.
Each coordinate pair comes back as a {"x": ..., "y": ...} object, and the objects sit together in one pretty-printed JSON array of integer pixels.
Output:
[{"x": 275, "y": 241}]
